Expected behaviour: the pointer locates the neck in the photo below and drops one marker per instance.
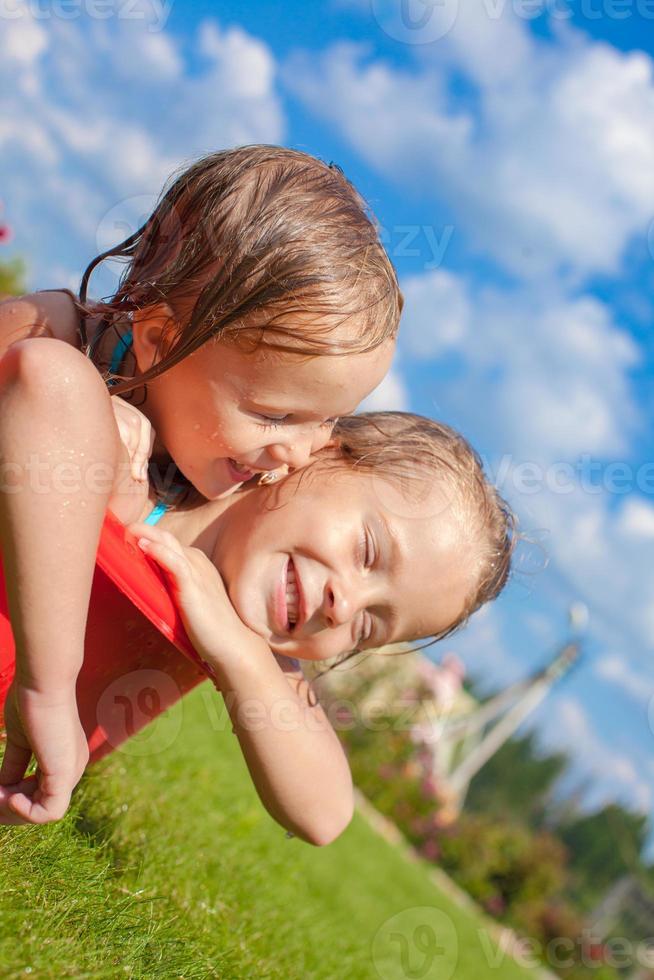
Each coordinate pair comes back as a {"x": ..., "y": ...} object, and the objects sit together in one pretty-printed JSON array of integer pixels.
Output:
[{"x": 201, "y": 526}]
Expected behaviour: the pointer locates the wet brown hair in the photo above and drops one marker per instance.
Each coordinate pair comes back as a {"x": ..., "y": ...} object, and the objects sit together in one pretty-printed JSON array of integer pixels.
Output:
[
  {"x": 258, "y": 240},
  {"x": 414, "y": 452}
]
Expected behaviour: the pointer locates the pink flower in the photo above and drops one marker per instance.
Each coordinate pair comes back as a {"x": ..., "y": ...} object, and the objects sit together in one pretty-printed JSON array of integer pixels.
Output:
[
  {"x": 430, "y": 850},
  {"x": 429, "y": 787},
  {"x": 495, "y": 905}
]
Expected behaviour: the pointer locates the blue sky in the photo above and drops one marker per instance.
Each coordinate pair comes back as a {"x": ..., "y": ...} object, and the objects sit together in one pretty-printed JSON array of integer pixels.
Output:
[{"x": 510, "y": 162}]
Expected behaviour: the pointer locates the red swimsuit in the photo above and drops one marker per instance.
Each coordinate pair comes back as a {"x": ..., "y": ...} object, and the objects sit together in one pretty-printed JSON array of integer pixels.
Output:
[{"x": 138, "y": 660}]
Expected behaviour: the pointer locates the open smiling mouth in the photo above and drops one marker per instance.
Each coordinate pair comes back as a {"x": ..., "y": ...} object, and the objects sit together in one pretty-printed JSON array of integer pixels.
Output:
[
  {"x": 289, "y": 604},
  {"x": 242, "y": 473}
]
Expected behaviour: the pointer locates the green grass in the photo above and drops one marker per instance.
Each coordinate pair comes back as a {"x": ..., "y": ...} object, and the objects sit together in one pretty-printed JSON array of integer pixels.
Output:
[{"x": 167, "y": 866}]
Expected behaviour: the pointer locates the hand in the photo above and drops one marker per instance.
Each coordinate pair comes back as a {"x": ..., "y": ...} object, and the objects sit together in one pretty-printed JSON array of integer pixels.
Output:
[
  {"x": 49, "y": 727},
  {"x": 213, "y": 626},
  {"x": 136, "y": 434}
]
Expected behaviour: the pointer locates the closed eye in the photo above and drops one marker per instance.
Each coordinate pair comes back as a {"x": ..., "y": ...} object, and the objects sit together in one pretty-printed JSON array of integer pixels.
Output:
[
  {"x": 366, "y": 549},
  {"x": 365, "y": 632},
  {"x": 271, "y": 421}
]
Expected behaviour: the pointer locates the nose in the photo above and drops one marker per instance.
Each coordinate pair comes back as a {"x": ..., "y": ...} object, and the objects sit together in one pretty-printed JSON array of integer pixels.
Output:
[
  {"x": 296, "y": 450},
  {"x": 338, "y": 607}
]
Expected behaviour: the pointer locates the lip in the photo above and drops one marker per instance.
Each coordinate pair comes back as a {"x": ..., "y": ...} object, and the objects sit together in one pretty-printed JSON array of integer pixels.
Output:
[
  {"x": 237, "y": 476},
  {"x": 280, "y": 608}
]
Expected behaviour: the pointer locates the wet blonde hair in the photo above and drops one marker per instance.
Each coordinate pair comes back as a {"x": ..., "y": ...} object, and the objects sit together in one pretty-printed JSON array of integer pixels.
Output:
[{"x": 271, "y": 247}]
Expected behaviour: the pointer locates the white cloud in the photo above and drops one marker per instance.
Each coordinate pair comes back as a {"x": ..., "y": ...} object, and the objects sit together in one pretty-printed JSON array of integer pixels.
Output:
[
  {"x": 391, "y": 395},
  {"x": 615, "y": 669},
  {"x": 570, "y": 727},
  {"x": 549, "y": 372},
  {"x": 637, "y": 519},
  {"x": 24, "y": 41},
  {"x": 542, "y": 382},
  {"x": 98, "y": 112},
  {"x": 547, "y": 160},
  {"x": 437, "y": 313}
]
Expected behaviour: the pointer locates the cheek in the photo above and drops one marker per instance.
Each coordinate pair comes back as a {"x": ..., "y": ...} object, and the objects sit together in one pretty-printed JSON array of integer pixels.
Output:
[
  {"x": 325, "y": 645},
  {"x": 243, "y": 598}
]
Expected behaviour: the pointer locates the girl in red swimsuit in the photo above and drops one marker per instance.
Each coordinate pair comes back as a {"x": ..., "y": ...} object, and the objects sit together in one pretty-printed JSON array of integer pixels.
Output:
[{"x": 261, "y": 306}]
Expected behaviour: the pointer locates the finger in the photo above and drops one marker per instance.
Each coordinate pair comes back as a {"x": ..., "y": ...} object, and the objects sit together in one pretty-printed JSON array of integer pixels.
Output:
[
  {"x": 8, "y": 815},
  {"x": 144, "y": 448},
  {"x": 157, "y": 535},
  {"x": 171, "y": 561},
  {"x": 126, "y": 434},
  {"x": 48, "y": 803},
  {"x": 10, "y": 819},
  {"x": 27, "y": 786},
  {"x": 16, "y": 760}
]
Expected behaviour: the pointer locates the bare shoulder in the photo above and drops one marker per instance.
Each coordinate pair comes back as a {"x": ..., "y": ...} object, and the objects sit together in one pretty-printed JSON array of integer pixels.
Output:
[{"x": 45, "y": 314}]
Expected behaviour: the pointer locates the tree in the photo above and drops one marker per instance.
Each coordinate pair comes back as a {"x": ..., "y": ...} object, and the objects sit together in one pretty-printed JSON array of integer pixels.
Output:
[
  {"x": 517, "y": 782},
  {"x": 603, "y": 847}
]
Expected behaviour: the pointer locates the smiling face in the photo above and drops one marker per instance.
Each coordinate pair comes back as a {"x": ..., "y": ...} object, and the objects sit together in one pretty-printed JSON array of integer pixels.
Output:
[
  {"x": 224, "y": 415},
  {"x": 334, "y": 560}
]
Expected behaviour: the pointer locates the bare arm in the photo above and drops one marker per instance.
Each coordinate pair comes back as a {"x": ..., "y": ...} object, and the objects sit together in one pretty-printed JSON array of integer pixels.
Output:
[
  {"x": 293, "y": 754},
  {"x": 59, "y": 451},
  {"x": 47, "y": 314}
]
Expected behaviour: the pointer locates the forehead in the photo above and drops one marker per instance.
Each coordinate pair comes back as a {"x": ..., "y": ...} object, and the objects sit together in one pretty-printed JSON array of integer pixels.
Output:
[
  {"x": 431, "y": 558},
  {"x": 277, "y": 380}
]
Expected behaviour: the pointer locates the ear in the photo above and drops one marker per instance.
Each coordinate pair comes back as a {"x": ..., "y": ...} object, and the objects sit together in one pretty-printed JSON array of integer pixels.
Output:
[{"x": 154, "y": 331}]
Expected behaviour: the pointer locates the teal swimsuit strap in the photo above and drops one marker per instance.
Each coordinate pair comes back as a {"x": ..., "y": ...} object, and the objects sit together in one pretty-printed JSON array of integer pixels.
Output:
[
  {"x": 121, "y": 348},
  {"x": 123, "y": 345},
  {"x": 155, "y": 515}
]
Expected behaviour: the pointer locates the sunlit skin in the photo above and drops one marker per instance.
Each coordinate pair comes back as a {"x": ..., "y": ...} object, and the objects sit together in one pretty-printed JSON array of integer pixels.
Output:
[
  {"x": 366, "y": 575},
  {"x": 261, "y": 410}
]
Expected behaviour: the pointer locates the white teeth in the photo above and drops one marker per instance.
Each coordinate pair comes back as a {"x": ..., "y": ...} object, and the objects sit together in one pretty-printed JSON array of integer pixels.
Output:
[{"x": 291, "y": 595}]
